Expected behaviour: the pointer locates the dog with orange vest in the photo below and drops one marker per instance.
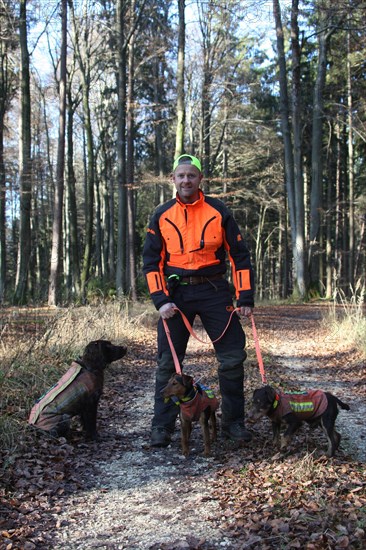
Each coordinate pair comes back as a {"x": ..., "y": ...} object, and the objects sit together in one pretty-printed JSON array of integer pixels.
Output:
[
  {"x": 316, "y": 407},
  {"x": 197, "y": 403},
  {"x": 77, "y": 393}
]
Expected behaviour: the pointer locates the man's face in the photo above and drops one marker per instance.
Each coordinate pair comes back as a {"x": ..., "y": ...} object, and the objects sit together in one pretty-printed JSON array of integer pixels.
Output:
[{"x": 187, "y": 179}]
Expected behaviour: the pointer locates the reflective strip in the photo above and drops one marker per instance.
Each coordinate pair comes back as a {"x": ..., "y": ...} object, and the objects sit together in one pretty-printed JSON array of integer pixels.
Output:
[
  {"x": 243, "y": 279},
  {"x": 53, "y": 392},
  {"x": 299, "y": 407},
  {"x": 154, "y": 281}
]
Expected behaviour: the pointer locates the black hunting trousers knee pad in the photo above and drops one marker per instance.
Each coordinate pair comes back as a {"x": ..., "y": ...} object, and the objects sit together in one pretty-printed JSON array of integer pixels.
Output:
[{"x": 231, "y": 381}]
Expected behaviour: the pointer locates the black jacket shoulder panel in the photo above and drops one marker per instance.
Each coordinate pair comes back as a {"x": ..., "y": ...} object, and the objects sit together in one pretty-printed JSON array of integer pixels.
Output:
[
  {"x": 218, "y": 205},
  {"x": 164, "y": 207}
]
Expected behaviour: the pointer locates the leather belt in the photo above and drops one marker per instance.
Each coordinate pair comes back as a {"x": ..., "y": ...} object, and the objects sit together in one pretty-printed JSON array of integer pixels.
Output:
[{"x": 194, "y": 280}]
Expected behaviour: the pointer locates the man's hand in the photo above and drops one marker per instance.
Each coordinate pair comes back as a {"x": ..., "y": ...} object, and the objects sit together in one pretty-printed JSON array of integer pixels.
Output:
[
  {"x": 167, "y": 310},
  {"x": 245, "y": 311}
]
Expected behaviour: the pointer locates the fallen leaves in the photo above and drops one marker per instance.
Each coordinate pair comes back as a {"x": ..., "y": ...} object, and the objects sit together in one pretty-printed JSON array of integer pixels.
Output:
[{"x": 267, "y": 499}]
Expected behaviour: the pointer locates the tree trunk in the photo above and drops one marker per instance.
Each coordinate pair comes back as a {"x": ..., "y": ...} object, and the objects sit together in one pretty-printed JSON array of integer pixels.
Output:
[
  {"x": 56, "y": 249},
  {"x": 2, "y": 193},
  {"x": 121, "y": 150},
  {"x": 74, "y": 253},
  {"x": 84, "y": 66},
  {"x": 158, "y": 130},
  {"x": 351, "y": 185},
  {"x": 294, "y": 192},
  {"x": 131, "y": 267},
  {"x": 179, "y": 136},
  {"x": 25, "y": 169},
  {"x": 299, "y": 250}
]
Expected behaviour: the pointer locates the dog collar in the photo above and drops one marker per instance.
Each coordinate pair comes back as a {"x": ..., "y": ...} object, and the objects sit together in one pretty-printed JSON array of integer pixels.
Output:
[
  {"x": 276, "y": 402},
  {"x": 192, "y": 394}
]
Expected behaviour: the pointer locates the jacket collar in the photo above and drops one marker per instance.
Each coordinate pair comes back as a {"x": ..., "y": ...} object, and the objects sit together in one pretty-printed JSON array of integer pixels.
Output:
[{"x": 198, "y": 201}]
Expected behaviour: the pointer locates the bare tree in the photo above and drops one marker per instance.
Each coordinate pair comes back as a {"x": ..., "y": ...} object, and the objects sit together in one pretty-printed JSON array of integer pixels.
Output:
[
  {"x": 7, "y": 89},
  {"x": 25, "y": 167},
  {"x": 294, "y": 188},
  {"x": 131, "y": 266},
  {"x": 121, "y": 147},
  {"x": 179, "y": 135},
  {"x": 83, "y": 45},
  {"x": 56, "y": 249}
]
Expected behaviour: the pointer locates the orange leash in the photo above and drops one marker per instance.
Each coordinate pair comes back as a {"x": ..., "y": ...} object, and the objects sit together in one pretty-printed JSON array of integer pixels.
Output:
[
  {"x": 191, "y": 331},
  {"x": 172, "y": 349},
  {"x": 258, "y": 351}
]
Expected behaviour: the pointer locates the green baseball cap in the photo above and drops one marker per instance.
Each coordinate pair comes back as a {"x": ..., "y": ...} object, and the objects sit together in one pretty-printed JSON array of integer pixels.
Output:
[{"x": 187, "y": 159}]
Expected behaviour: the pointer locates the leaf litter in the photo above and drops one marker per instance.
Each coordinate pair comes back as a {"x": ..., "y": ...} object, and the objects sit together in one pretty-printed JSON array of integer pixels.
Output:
[{"x": 119, "y": 493}]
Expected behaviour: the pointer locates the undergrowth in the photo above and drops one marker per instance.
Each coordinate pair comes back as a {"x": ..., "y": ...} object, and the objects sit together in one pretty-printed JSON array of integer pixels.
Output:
[
  {"x": 30, "y": 365},
  {"x": 346, "y": 317}
]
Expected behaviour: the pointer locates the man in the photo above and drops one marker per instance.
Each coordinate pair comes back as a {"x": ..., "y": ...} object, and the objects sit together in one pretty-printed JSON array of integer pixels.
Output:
[{"x": 184, "y": 256}]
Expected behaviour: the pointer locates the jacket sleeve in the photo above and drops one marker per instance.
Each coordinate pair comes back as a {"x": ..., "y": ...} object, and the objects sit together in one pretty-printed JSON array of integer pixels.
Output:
[
  {"x": 153, "y": 263},
  {"x": 241, "y": 267}
]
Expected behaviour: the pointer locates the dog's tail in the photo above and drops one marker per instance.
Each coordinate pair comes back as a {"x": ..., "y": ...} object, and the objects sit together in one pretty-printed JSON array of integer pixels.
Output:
[{"x": 342, "y": 405}]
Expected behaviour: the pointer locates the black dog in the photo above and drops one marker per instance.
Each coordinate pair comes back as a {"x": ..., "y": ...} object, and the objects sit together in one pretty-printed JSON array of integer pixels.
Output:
[
  {"x": 315, "y": 407},
  {"x": 77, "y": 393}
]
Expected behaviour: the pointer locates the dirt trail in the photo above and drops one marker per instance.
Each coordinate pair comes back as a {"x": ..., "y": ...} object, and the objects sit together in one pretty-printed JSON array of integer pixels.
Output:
[
  {"x": 311, "y": 358},
  {"x": 121, "y": 494}
]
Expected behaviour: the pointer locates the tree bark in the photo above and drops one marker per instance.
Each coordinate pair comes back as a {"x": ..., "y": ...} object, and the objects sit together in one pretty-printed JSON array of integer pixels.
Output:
[
  {"x": 351, "y": 184},
  {"x": 74, "y": 252},
  {"x": 131, "y": 267},
  {"x": 56, "y": 249},
  {"x": 121, "y": 150},
  {"x": 294, "y": 190},
  {"x": 179, "y": 136},
  {"x": 25, "y": 169},
  {"x": 84, "y": 66}
]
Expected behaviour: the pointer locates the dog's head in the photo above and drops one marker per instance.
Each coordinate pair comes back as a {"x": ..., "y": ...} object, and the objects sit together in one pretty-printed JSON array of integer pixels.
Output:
[
  {"x": 262, "y": 403},
  {"x": 178, "y": 386},
  {"x": 100, "y": 353}
]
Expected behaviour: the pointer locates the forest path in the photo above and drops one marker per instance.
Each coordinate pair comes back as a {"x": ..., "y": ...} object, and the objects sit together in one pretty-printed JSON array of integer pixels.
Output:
[{"x": 121, "y": 494}]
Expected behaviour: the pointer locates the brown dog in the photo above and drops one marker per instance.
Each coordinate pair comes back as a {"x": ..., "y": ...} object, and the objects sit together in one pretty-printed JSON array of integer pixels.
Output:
[
  {"x": 77, "y": 393},
  {"x": 196, "y": 403},
  {"x": 316, "y": 407}
]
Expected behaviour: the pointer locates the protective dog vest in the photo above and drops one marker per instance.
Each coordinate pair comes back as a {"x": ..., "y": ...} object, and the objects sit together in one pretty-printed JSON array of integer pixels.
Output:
[
  {"x": 305, "y": 405},
  {"x": 191, "y": 410},
  {"x": 53, "y": 392}
]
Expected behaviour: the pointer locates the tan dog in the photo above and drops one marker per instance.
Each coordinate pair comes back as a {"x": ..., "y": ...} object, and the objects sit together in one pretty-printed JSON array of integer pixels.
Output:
[{"x": 196, "y": 403}]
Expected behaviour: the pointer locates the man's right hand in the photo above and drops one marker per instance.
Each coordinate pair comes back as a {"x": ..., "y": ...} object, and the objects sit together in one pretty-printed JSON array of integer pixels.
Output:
[{"x": 167, "y": 310}]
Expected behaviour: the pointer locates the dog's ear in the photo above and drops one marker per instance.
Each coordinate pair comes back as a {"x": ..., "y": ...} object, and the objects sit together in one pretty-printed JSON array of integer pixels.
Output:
[
  {"x": 187, "y": 380},
  {"x": 270, "y": 393}
]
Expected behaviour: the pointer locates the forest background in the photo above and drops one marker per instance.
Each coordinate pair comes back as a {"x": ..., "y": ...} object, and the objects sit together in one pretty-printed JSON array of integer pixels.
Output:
[{"x": 98, "y": 97}]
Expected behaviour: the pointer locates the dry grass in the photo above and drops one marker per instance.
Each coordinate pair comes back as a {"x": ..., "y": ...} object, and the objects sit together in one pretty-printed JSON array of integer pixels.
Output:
[
  {"x": 346, "y": 317},
  {"x": 32, "y": 362}
]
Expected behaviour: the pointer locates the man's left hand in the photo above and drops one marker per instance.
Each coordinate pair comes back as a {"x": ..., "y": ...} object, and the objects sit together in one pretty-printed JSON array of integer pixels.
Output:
[{"x": 245, "y": 311}]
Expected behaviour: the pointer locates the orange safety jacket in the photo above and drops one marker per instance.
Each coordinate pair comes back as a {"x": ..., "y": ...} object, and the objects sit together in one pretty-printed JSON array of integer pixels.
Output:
[{"x": 194, "y": 240}]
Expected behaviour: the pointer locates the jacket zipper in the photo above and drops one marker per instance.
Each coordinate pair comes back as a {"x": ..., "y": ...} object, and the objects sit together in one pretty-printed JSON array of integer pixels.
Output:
[
  {"x": 202, "y": 240},
  {"x": 178, "y": 233}
]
